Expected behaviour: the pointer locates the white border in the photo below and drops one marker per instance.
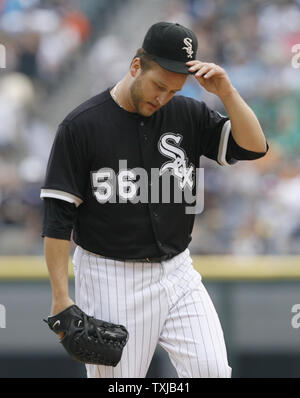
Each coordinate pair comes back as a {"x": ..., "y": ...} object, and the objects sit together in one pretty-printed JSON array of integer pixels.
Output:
[
  {"x": 224, "y": 143},
  {"x": 68, "y": 197}
]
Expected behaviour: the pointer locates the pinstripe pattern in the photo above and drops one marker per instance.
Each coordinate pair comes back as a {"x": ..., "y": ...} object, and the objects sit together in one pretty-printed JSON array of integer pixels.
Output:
[
  {"x": 135, "y": 326},
  {"x": 151, "y": 337},
  {"x": 159, "y": 303},
  {"x": 143, "y": 324}
]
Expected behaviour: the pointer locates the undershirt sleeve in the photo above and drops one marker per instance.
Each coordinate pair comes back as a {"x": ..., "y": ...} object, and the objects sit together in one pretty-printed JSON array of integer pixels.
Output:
[
  {"x": 59, "y": 218},
  {"x": 236, "y": 153}
]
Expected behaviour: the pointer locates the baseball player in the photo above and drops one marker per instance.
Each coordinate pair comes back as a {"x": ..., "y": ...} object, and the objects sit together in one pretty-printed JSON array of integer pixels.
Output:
[{"x": 118, "y": 165}]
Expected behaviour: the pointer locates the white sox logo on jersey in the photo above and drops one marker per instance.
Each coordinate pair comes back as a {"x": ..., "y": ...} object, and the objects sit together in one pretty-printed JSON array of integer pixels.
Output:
[
  {"x": 188, "y": 47},
  {"x": 168, "y": 145}
]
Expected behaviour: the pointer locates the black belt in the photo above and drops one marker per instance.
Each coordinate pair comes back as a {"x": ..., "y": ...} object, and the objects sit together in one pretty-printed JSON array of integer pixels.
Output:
[{"x": 144, "y": 260}]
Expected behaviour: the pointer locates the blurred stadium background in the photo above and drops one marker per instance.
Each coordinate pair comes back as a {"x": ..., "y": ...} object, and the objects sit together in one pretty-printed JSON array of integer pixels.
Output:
[{"x": 246, "y": 243}]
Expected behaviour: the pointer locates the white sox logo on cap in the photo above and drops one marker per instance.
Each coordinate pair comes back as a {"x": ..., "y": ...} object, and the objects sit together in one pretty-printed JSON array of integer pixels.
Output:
[{"x": 189, "y": 49}]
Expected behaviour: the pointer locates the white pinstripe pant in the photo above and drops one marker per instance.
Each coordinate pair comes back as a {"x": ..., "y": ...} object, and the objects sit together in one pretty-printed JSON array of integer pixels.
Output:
[{"x": 159, "y": 303}]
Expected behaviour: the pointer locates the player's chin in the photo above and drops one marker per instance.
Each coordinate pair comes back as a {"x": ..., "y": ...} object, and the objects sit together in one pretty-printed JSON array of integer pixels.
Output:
[{"x": 149, "y": 109}]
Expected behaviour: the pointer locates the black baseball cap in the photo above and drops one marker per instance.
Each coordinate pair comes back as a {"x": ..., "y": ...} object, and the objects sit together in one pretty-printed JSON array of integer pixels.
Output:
[{"x": 171, "y": 46}]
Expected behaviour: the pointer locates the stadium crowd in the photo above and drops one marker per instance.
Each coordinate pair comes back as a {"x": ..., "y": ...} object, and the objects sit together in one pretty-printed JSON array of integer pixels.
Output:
[{"x": 251, "y": 207}]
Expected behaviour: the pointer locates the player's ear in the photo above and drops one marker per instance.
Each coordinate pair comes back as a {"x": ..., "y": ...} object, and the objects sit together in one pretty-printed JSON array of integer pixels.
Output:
[{"x": 135, "y": 67}]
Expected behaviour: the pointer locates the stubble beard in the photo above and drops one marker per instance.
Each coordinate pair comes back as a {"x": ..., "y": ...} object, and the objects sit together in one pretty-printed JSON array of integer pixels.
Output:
[
  {"x": 136, "y": 95},
  {"x": 137, "y": 98}
]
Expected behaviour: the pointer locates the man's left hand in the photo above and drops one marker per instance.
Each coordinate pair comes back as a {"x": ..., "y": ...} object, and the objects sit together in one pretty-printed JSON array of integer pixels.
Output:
[{"x": 212, "y": 77}]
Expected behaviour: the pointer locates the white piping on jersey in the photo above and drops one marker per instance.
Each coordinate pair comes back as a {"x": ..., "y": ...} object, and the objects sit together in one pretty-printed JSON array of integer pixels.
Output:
[
  {"x": 68, "y": 197},
  {"x": 223, "y": 144}
]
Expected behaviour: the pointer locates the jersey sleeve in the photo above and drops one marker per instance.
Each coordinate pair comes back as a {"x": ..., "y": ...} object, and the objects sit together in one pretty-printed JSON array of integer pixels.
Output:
[
  {"x": 66, "y": 174},
  {"x": 217, "y": 142}
]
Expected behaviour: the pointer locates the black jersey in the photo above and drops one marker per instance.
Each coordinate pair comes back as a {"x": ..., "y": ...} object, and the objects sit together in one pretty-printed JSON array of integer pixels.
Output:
[{"x": 133, "y": 177}]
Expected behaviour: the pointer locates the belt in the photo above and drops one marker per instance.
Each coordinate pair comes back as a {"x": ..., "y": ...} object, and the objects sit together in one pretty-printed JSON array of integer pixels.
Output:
[{"x": 143, "y": 260}]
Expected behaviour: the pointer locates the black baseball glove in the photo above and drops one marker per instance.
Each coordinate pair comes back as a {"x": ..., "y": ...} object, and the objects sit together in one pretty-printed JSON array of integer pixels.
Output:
[{"x": 87, "y": 339}]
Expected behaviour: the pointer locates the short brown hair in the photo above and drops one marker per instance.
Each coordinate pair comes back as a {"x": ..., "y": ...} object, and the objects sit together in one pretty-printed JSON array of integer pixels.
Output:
[{"x": 147, "y": 60}]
